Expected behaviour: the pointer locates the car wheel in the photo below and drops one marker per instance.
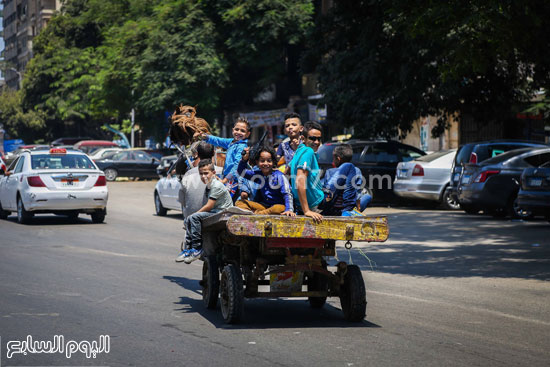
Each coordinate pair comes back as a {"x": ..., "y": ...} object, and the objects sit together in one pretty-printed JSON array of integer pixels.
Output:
[
  {"x": 515, "y": 211},
  {"x": 3, "y": 213},
  {"x": 448, "y": 201},
  {"x": 159, "y": 209},
  {"x": 111, "y": 174},
  {"x": 99, "y": 216},
  {"x": 23, "y": 216}
]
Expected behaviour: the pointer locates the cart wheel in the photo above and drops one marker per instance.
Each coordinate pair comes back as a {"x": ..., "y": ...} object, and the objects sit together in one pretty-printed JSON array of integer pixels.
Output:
[
  {"x": 353, "y": 297},
  {"x": 210, "y": 282},
  {"x": 231, "y": 294},
  {"x": 317, "y": 282}
]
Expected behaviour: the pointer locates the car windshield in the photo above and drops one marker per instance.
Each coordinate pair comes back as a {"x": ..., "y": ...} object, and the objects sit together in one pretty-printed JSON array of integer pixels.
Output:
[
  {"x": 505, "y": 156},
  {"x": 432, "y": 157},
  {"x": 61, "y": 161}
]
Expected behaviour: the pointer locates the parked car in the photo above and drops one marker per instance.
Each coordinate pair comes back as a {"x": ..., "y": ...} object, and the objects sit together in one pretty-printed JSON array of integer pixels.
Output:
[
  {"x": 11, "y": 156},
  {"x": 534, "y": 194},
  {"x": 88, "y": 146},
  {"x": 428, "y": 178},
  {"x": 68, "y": 141},
  {"x": 377, "y": 161},
  {"x": 477, "y": 153},
  {"x": 128, "y": 163},
  {"x": 157, "y": 152},
  {"x": 165, "y": 164},
  {"x": 493, "y": 185},
  {"x": 56, "y": 181},
  {"x": 166, "y": 194},
  {"x": 103, "y": 152}
]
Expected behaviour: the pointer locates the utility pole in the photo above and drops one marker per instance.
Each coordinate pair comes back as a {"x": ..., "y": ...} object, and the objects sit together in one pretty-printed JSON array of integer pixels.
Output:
[{"x": 132, "y": 119}]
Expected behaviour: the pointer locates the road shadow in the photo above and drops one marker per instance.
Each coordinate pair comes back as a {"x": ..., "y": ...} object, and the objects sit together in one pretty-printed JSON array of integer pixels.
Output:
[
  {"x": 458, "y": 245},
  {"x": 267, "y": 313},
  {"x": 52, "y": 219}
]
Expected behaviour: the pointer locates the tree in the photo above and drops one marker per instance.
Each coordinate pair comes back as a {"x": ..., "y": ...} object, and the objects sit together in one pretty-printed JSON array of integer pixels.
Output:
[
  {"x": 385, "y": 63},
  {"x": 17, "y": 123}
]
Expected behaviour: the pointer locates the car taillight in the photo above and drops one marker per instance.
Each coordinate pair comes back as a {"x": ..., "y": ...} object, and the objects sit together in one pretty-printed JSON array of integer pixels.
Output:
[
  {"x": 418, "y": 170},
  {"x": 483, "y": 176},
  {"x": 101, "y": 181},
  {"x": 35, "y": 181},
  {"x": 473, "y": 158}
]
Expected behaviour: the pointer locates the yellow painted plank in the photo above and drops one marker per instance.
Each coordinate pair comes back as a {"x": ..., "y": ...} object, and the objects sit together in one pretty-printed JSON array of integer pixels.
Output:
[{"x": 370, "y": 229}]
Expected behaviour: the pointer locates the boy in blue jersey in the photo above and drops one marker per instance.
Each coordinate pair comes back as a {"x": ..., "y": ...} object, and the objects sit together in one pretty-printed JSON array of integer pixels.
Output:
[
  {"x": 233, "y": 147},
  {"x": 342, "y": 185},
  {"x": 273, "y": 195},
  {"x": 304, "y": 171}
]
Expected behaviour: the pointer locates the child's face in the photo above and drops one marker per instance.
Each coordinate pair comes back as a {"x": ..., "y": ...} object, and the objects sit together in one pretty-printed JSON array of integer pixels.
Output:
[
  {"x": 293, "y": 127},
  {"x": 240, "y": 131},
  {"x": 206, "y": 174},
  {"x": 265, "y": 163}
]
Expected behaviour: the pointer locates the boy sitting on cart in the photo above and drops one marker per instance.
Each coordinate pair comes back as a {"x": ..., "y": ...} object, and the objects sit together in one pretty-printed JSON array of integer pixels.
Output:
[{"x": 218, "y": 200}]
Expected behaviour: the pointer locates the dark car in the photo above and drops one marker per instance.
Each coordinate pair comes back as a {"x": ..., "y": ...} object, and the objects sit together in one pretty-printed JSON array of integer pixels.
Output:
[
  {"x": 69, "y": 140},
  {"x": 493, "y": 185},
  {"x": 377, "y": 161},
  {"x": 128, "y": 163},
  {"x": 534, "y": 194},
  {"x": 166, "y": 163},
  {"x": 480, "y": 151}
]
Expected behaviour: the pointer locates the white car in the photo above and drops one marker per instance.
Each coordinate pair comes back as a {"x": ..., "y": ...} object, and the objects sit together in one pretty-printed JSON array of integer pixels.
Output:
[
  {"x": 166, "y": 194},
  {"x": 101, "y": 153},
  {"x": 59, "y": 181},
  {"x": 427, "y": 177}
]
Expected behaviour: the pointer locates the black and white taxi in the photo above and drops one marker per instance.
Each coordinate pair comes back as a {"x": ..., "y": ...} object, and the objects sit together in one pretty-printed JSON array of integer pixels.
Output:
[{"x": 60, "y": 181}]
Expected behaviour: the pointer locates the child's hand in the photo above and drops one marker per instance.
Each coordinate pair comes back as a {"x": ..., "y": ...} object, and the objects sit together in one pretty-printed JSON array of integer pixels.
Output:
[
  {"x": 224, "y": 181},
  {"x": 317, "y": 218},
  {"x": 246, "y": 154},
  {"x": 289, "y": 214},
  {"x": 199, "y": 136},
  {"x": 294, "y": 143}
]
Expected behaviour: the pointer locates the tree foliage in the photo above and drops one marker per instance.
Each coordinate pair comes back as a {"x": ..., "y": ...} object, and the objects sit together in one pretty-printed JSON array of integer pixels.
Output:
[
  {"x": 384, "y": 63},
  {"x": 98, "y": 59}
]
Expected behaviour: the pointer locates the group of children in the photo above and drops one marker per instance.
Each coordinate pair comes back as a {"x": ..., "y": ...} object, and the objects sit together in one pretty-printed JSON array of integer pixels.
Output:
[{"x": 260, "y": 186}]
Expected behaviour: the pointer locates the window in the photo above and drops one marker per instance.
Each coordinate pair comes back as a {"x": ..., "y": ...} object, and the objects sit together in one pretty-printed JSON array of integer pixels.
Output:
[
  {"x": 538, "y": 160},
  {"x": 380, "y": 153},
  {"x": 19, "y": 166},
  {"x": 143, "y": 157},
  {"x": 69, "y": 161},
  {"x": 410, "y": 155}
]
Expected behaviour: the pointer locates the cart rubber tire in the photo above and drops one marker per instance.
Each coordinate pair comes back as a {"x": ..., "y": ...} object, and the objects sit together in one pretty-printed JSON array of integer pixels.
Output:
[
  {"x": 99, "y": 216},
  {"x": 353, "y": 297},
  {"x": 231, "y": 294},
  {"x": 318, "y": 282},
  {"x": 159, "y": 209},
  {"x": 210, "y": 282},
  {"x": 23, "y": 216}
]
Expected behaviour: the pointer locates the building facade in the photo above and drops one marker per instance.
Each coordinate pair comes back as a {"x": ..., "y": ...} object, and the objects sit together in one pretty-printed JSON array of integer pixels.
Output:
[{"x": 23, "y": 20}]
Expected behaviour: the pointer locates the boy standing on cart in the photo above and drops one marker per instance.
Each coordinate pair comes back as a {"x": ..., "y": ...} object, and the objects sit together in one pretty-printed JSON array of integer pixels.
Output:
[{"x": 218, "y": 200}]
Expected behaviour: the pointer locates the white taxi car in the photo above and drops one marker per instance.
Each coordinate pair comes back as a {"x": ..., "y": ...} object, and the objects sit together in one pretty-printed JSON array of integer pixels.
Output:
[{"x": 60, "y": 181}]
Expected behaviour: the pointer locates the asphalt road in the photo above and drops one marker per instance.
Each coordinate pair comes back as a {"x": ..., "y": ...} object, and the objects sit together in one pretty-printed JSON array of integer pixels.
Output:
[{"x": 446, "y": 289}]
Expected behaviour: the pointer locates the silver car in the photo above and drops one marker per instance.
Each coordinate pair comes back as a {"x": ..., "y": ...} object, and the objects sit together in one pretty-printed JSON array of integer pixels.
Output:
[{"x": 428, "y": 178}]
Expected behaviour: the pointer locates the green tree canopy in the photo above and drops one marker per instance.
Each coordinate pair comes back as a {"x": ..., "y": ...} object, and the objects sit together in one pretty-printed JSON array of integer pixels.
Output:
[{"x": 384, "y": 63}]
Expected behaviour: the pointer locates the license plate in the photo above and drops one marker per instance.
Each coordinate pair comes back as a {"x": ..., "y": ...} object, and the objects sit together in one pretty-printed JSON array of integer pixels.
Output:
[
  {"x": 457, "y": 176},
  {"x": 535, "y": 182},
  {"x": 466, "y": 179},
  {"x": 68, "y": 182},
  {"x": 402, "y": 173}
]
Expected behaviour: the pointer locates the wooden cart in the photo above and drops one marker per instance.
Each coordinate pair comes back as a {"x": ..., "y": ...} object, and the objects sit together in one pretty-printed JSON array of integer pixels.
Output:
[{"x": 286, "y": 254}]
